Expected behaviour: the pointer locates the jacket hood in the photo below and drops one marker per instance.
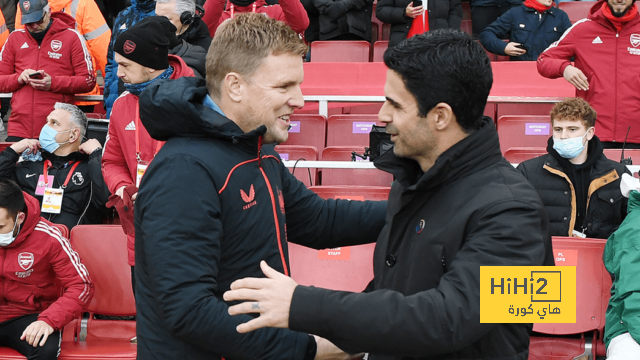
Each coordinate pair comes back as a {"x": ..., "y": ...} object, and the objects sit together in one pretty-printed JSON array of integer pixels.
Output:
[
  {"x": 143, "y": 5},
  {"x": 174, "y": 108},
  {"x": 594, "y": 9},
  {"x": 594, "y": 152},
  {"x": 180, "y": 68},
  {"x": 33, "y": 216},
  {"x": 596, "y": 14},
  {"x": 473, "y": 153},
  {"x": 65, "y": 21}
]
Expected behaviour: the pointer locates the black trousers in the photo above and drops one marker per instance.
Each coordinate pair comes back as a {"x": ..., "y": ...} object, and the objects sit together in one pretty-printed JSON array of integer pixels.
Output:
[
  {"x": 483, "y": 16},
  {"x": 11, "y": 330}
]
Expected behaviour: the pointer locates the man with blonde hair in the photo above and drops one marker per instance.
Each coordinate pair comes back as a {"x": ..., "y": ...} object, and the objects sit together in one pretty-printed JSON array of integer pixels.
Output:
[
  {"x": 212, "y": 203},
  {"x": 579, "y": 186}
]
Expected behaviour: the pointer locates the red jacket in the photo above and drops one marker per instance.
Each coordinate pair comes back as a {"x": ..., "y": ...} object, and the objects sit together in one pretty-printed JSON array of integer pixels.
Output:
[
  {"x": 29, "y": 268},
  {"x": 290, "y": 12},
  {"x": 119, "y": 163},
  {"x": 610, "y": 62},
  {"x": 62, "y": 54}
]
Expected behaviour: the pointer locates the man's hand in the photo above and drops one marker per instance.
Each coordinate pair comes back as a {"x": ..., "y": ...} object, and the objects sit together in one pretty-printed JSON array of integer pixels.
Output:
[
  {"x": 512, "y": 50},
  {"x": 89, "y": 146},
  {"x": 120, "y": 192},
  {"x": 413, "y": 12},
  {"x": 24, "y": 77},
  {"x": 36, "y": 330},
  {"x": 41, "y": 84},
  {"x": 326, "y": 350},
  {"x": 576, "y": 77},
  {"x": 270, "y": 297},
  {"x": 32, "y": 144}
]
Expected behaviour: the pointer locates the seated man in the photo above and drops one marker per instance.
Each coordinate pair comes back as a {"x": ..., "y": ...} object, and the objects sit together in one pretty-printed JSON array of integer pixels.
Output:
[
  {"x": 72, "y": 167},
  {"x": 579, "y": 186},
  {"x": 188, "y": 22},
  {"x": 530, "y": 27},
  {"x": 35, "y": 257}
]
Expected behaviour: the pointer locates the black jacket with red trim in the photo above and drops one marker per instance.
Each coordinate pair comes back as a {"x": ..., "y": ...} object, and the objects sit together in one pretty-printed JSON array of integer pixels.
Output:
[{"x": 211, "y": 205}]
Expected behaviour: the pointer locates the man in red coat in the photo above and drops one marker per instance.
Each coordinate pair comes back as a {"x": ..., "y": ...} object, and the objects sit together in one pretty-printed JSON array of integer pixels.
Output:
[
  {"x": 141, "y": 53},
  {"x": 44, "y": 63},
  {"x": 33, "y": 255}
]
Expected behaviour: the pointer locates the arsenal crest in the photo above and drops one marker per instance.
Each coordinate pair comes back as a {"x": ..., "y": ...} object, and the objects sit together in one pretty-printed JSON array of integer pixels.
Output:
[
  {"x": 25, "y": 260},
  {"x": 129, "y": 46},
  {"x": 56, "y": 45},
  {"x": 635, "y": 40},
  {"x": 26, "y": 5}
]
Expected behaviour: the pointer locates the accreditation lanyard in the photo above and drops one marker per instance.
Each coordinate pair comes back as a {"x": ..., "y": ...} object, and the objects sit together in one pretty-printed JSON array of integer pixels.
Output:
[
  {"x": 232, "y": 9},
  {"x": 45, "y": 172},
  {"x": 142, "y": 165},
  {"x": 52, "y": 197}
]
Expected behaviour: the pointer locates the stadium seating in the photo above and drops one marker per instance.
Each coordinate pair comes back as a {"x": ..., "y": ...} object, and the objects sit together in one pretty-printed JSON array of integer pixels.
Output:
[
  {"x": 379, "y": 47},
  {"x": 4, "y": 145},
  {"x": 523, "y": 131},
  {"x": 614, "y": 154},
  {"x": 593, "y": 284},
  {"x": 307, "y": 129},
  {"x": 95, "y": 115},
  {"x": 360, "y": 177},
  {"x": 466, "y": 26},
  {"x": 300, "y": 152},
  {"x": 505, "y": 109},
  {"x": 576, "y": 10},
  {"x": 340, "y": 51},
  {"x": 350, "y": 130},
  {"x": 516, "y": 155}
]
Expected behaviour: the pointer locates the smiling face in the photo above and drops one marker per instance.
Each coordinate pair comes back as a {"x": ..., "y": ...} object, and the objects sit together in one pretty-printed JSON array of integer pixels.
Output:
[{"x": 619, "y": 7}]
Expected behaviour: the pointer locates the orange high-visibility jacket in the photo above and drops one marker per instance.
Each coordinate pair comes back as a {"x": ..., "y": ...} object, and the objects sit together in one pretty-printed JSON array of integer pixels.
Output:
[{"x": 4, "y": 32}]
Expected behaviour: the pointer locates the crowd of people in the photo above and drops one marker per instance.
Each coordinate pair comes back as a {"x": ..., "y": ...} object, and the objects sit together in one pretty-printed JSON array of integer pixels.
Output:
[{"x": 197, "y": 242}]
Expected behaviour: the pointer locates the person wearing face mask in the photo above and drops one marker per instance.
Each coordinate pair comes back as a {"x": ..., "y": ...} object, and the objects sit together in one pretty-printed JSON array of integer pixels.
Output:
[
  {"x": 70, "y": 165},
  {"x": 579, "y": 186},
  {"x": 36, "y": 263},
  {"x": 45, "y": 63}
]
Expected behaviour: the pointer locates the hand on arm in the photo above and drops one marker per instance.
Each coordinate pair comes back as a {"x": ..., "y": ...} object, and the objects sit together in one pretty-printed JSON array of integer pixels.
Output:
[
  {"x": 32, "y": 144},
  {"x": 576, "y": 78},
  {"x": 90, "y": 146},
  {"x": 35, "y": 331}
]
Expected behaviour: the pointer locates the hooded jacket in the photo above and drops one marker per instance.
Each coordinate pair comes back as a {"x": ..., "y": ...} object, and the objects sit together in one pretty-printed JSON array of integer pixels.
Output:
[
  {"x": 63, "y": 55},
  {"x": 609, "y": 61},
  {"x": 194, "y": 56},
  {"x": 290, "y": 12},
  {"x": 119, "y": 161},
  {"x": 211, "y": 205},
  {"x": 621, "y": 258},
  {"x": 85, "y": 194},
  {"x": 605, "y": 206},
  {"x": 443, "y": 14},
  {"x": 528, "y": 27},
  {"x": 138, "y": 10},
  {"x": 31, "y": 266},
  {"x": 470, "y": 209},
  {"x": 197, "y": 34}
]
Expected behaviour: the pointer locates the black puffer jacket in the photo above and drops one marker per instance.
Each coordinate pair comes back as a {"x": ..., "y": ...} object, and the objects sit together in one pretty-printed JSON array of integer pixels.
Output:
[
  {"x": 471, "y": 209},
  {"x": 194, "y": 56},
  {"x": 606, "y": 207},
  {"x": 443, "y": 14},
  {"x": 197, "y": 34},
  {"x": 342, "y": 17},
  {"x": 211, "y": 205}
]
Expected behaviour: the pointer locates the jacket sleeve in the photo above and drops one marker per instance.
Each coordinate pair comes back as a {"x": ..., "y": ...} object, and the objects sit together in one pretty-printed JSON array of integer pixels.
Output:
[
  {"x": 84, "y": 78},
  {"x": 8, "y": 160},
  {"x": 295, "y": 15},
  {"x": 99, "y": 189},
  {"x": 8, "y": 76},
  {"x": 491, "y": 37},
  {"x": 387, "y": 12},
  {"x": 455, "y": 14},
  {"x": 553, "y": 61},
  {"x": 336, "y": 222},
  {"x": 184, "y": 273},
  {"x": 96, "y": 33},
  {"x": 437, "y": 321},
  {"x": 213, "y": 10},
  {"x": 114, "y": 166},
  {"x": 74, "y": 277}
]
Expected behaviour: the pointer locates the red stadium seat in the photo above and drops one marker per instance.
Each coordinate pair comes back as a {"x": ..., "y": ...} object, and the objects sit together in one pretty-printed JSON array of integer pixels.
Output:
[
  {"x": 593, "y": 284},
  {"x": 307, "y": 129},
  {"x": 340, "y": 51},
  {"x": 379, "y": 47},
  {"x": 94, "y": 115},
  {"x": 348, "y": 268},
  {"x": 350, "y": 130},
  {"x": 376, "y": 25},
  {"x": 516, "y": 155},
  {"x": 523, "y": 131},
  {"x": 614, "y": 154},
  {"x": 4, "y": 145},
  {"x": 505, "y": 109},
  {"x": 361, "y": 177},
  {"x": 466, "y": 11},
  {"x": 466, "y": 26},
  {"x": 577, "y": 10},
  {"x": 299, "y": 152}
]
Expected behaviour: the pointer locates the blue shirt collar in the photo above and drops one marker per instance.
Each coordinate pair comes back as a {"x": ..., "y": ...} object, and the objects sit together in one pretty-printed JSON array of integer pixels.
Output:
[{"x": 208, "y": 102}]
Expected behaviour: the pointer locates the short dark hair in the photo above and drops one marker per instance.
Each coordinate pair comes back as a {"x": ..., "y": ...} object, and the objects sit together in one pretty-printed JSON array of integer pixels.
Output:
[
  {"x": 445, "y": 66},
  {"x": 11, "y": 197}
]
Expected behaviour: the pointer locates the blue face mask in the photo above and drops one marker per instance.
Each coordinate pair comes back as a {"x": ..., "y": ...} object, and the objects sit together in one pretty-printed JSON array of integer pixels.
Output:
[
  {"x": 569, "y": 148},
  {"x": 48, "y": 139}
]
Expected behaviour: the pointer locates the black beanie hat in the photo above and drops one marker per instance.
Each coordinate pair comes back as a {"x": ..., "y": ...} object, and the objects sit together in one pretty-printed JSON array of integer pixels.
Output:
[
  {"x": 169, "y": 28},
  {"x": 145, "y": 44}
]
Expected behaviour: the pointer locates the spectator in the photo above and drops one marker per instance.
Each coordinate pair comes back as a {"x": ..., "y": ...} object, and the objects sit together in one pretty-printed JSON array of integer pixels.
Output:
[
  {"x": 4, "y": 31},
  {"x": 8, "y": 8},
  {"x": 194, "y": 56},
  {"x": 453, "y": 183},
  {"x": 344, "y": 19},
  {"x": 48, "y": 62},
  {"x": 485, "y": 12},
  {"x": 37, "y": 263},
  {"x": 290, "y": 12},
  {"x": 5, "y": 103},
  {"x": 605, "y": 48},
  {"x": 579, "y": 186},
  {"x": 92, "y": 26},
  {"x": 621, "y": 258},
  {"x": 531, "y": 28},
  {"x": 142, "y": 56},
  {"x": 312, "y": 33},
  {"x": 113, "y": 85},
  {"x": 232, "y": 193},
  {"x": 442, "y": 14},
  {"x": 189, "y": 25},
  {"x": 70, "y": 165}
]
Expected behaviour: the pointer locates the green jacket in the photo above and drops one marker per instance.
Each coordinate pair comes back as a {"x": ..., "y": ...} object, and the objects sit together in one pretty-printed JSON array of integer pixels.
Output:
[{"x": 622, "y": 260}]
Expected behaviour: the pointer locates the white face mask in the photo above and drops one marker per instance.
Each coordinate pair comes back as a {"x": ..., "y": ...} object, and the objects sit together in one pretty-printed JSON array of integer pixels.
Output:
[{"x": 8, "y": 238}]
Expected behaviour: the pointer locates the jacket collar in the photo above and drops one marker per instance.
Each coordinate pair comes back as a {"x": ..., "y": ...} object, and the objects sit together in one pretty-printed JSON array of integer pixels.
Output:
[
  {"x": 596, "y": 162},
  {"x": 33, "y": 217},
  {"x": 551, "y": 11},
  {"x": 61, "y": 160}
]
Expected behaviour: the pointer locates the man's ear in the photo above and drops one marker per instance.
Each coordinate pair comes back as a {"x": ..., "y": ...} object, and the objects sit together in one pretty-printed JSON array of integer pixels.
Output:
[
  {"x": 21, "y": 217},
  {"x": 443, "y": 116},
  {"x": 233, "y": 84}
]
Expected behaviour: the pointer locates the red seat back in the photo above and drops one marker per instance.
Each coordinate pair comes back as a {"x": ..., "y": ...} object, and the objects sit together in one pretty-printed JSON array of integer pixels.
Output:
[
  {"x": 308, "y": 130},
  {"x": 576, "y": 10},
  {"x": 523, "y": 131},
  {"x": 360, "y": 177},
  {"x": 614, "y": 154},
  {"x": 516, "y": 155},
  {"x": 95, "y": 115},
  {"x": 379, "y": 47},
  {"x": 350, "y": 130},
  {"x": 303, "y": 153},
  {"x": 4, "y": 145},
  {"x": 340, "y": 51}
]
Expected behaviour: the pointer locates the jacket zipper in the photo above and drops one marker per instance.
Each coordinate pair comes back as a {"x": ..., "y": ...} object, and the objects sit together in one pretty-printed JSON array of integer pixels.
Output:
[
  {"x": 2, "y": 279},
  {"x": 615, "y": 121}
]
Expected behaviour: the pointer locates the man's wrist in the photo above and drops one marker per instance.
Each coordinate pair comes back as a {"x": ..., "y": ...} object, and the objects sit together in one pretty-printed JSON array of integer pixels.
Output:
[{"x": 312, "y": 348}]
